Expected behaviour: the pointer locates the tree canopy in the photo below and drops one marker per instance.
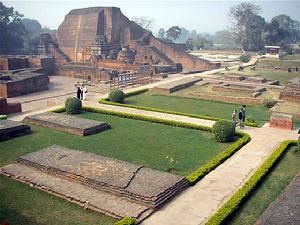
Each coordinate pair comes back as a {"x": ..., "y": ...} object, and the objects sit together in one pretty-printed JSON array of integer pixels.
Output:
[
  {"x": 12, "y": 30},
  {"x": 173, "y": 33}
]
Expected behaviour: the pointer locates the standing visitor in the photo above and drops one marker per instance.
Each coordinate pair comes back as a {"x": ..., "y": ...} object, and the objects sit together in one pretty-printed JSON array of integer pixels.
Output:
[
  {"x": 233, "y": 119},
  {"x": 81, "y": 93},
  {"x": 78, "y": 92},
  {"x": 84, "y": 91},
  {"x": 244, "y": 114},
  {"x": 241, "y": 118}
]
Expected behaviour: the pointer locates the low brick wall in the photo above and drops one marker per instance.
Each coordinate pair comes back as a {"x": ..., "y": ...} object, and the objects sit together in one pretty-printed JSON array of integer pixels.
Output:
[
  {"x": 229, "y": 99},
  {"x": 281, "y": 120}
]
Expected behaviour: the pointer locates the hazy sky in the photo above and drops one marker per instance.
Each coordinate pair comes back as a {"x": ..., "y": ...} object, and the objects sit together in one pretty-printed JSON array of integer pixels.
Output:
[{"x": 203, "y": 16}]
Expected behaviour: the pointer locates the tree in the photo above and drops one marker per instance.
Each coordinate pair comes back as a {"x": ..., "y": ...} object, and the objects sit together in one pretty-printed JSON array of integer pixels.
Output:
[
  {"x": 189, "y": 44},
  {"x": 184, "y": 36},
  {"x": 144, "y": 21},
  {"x": 161, "y": 33},
  {"x": 12, "y": 30},
  {"x": 289, "y": 28},
  {"x": 247, "y": 25},
  {"x": 173, "y": 33},
  {"x": 33, "y": 26}
]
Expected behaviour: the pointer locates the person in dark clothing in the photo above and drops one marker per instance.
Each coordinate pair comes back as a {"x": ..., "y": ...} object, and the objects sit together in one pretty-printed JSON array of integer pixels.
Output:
[
  {"x": 241, "y": 118},
  {"x": 244, "y": 114},
  {"x": 78, "y": 92}
]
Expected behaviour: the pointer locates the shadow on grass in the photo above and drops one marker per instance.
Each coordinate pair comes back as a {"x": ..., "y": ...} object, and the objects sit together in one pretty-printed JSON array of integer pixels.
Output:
[{"x": 12, "y": 217}]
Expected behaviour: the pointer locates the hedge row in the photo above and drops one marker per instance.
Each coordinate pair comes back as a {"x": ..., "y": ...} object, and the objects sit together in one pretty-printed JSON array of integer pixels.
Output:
[
  {"x": 3, "y": 117},
  {"x": 204, "y": 169},
  {"x": 198, "y": 174},
  {"x": 126, "y": 221},
  {"x": 238, "y": 198},
  {"x": 107, "y": 102}
]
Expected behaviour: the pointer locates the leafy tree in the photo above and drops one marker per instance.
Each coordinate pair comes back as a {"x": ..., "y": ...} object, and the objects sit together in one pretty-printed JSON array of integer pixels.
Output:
[
  {"x": 33, "y": 26},
  {"x": 161, "y": 33},
  {"x": 144, "y": 21},
  {"x": 173, "y": 33},
  {"x": 189, "y": 44},
  {"x": 184, "y": 36},
  {"x": 12, "y": 30},
  {"x": 247, "y": 25}
]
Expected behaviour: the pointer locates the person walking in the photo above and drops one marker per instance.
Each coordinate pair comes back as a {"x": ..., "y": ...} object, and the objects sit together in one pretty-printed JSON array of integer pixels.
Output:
[
  {"x": 233, "y": 117},
  {"x": 84, "y": 91},
  {"x": 78, "y": 92},
  {"x": 244, "y": 114},
  {"x": 241, "y": 118}
]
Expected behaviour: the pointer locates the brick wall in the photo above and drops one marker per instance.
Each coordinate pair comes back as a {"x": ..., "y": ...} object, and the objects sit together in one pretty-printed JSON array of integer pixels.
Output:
[
  {"x": 84, "y": 72},
  {"x": 8, "y": 108}
]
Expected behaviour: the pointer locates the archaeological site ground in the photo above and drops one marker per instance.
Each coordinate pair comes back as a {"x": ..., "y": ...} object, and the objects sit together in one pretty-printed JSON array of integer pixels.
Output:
[{"x": 103, "y": 121}]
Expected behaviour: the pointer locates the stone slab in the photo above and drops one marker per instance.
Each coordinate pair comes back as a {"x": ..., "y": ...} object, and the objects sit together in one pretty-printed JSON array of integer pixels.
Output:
[
  {"x": 70, "y": 124},
  {"x": 286, "y": 209},
  {"x": 10, "y": 129},
  {"x": 176, "y": 85},
  {"x": 134, "y": 182},
  {"x": 87, "y": 197}
]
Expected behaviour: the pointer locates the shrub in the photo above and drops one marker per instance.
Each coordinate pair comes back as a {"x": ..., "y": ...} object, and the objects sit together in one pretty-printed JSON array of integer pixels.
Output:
[
  {"x": 116, "y": 96},
  {"x": 269, "y": 102},
  {"x": 245, "y": 58},
  {"x": 125, "y": 221},
  {"x": 299, "y": 144},
  {"x": 3, "y": 117},
  {"x": 223, "y": 131},
  {"x": 250, "y": 119},
  {"x": 73, "y": 105}
]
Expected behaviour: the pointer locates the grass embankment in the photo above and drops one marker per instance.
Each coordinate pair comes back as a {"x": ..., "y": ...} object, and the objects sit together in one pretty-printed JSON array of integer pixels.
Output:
[{"x": 268, "y": 191}]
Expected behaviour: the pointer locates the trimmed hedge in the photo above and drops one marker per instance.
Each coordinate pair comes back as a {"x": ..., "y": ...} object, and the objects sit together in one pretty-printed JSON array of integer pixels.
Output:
[
  {"x": 73, "y": 105},
  {"x": 3, "y": 117},
  {"x": 107, "y": 102},
  {"x": 116, "y": 95},
  {"x": 238, "y": 198},
  {"x": 203, "y": 170},
  {"x": 223, "y": 131},
  {"x": 126, "y": 221}
]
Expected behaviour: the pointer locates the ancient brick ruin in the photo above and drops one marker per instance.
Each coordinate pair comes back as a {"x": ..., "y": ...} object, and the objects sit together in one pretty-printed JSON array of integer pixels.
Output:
[
  {"x": 21, "y": 83},
  {"x": 113, "y": 187},
  {"x": 105, "y": 33},
  {"x": 291, "y": 91},
  {"x": 10, "y": 129},
  {"x": 7, "y": 108}
]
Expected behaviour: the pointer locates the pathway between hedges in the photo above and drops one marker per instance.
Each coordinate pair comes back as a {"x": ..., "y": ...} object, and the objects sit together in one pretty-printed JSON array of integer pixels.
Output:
[{"x": 196, "y": 204}]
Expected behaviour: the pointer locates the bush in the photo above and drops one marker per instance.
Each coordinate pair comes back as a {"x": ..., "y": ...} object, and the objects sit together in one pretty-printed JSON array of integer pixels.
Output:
[
  {"x": 269, "y": 102},
  {"x": 250, "y": 119},
  {"x": 73, "y": 105},
  {"x": 299, "y": 144},
  {"x": 245, "y": 58},
  {"x": 3, "y": 117},
  {"x": 223, "y": 131},
  {"x": 126, "y": 221},
  {"x": 116, "y": 96}
]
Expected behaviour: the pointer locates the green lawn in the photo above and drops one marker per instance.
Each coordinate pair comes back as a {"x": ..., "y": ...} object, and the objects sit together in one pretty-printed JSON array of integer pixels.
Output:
[
  {"x": 268, "y": 191},
  {"x": 196, "y": 106},
  {"x": 157, "y": 146}
]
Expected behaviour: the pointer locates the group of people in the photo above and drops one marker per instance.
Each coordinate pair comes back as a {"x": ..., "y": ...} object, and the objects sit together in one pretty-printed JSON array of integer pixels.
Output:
[
  {"x": 81, "y": 92},
  {"x": 241, "y": 117}
]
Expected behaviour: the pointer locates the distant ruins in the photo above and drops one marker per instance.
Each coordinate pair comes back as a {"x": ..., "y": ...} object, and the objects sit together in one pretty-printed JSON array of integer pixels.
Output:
[{"x": 105, "y": 35}]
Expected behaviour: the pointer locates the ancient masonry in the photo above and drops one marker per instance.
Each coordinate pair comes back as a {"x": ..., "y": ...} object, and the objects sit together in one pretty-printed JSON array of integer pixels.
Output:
[
  {"x": 110, "y": 186},
  {"x": 67, "y": 123},
  {"x": 7, "y": 108},
  {"x": 10, "y": 129},
  {"x": 176, "y": 85},
  {"x": 292, "y": 91},
  {"x": 105, "y": 30}
]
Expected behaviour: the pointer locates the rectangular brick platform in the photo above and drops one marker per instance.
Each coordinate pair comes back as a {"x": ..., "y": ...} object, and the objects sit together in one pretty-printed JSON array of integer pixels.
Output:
[
  {"x": 113, "y": 187},
  {"x": 70, "y": 124},
  {"x": 176, "y": 85},
  {"x": 134, "y": 182},
  {"x": 282, "y": 121},
  {"x": 10, "y": 129}
]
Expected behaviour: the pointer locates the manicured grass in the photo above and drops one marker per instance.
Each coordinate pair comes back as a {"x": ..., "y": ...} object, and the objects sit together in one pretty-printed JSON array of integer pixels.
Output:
[
  {"x": 196, "y": 106},
  {"x": 24, "y": 205},
  {"x": 157, "y": 146},
  {"x": 271, "y": 187}
]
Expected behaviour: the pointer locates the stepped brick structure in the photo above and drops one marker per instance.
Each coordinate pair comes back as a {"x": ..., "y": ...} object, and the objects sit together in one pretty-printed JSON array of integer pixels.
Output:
[
  {"x": 7, "y": 108},
  {"x": 114, "y": 187},
  {"x": 106, "y": 30}
]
